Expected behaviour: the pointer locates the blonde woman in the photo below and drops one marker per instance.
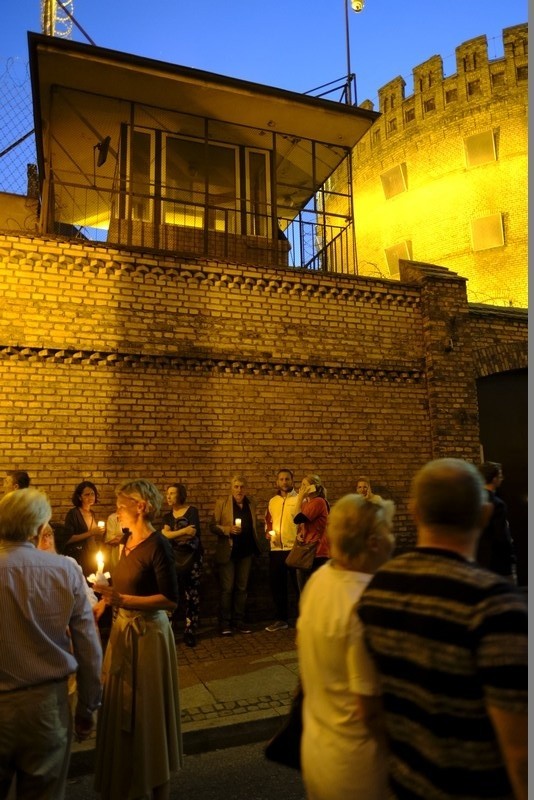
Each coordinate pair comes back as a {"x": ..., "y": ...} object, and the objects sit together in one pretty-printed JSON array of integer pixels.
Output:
[
  {"x": 343, "y": 751},
  {"x": 139, "y": 743}
]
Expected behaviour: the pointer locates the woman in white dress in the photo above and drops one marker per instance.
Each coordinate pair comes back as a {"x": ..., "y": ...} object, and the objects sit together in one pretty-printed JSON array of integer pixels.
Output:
[{"x": 343, "y": 750}]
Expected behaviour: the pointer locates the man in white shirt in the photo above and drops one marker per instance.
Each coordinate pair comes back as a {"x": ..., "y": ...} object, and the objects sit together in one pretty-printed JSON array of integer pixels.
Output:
[
  {"x": 281, "y": 531},
  {"x": 47, "y": 633}
]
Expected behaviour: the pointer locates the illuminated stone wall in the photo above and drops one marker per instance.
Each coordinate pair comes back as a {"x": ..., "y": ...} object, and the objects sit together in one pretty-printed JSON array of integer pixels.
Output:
[
  {"x": 420, "y": 140},
  {"x": 117, "y": 364}
]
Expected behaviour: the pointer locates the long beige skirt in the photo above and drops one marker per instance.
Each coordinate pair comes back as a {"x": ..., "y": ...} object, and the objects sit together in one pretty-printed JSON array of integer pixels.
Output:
[{"x": 138, "y": 740}]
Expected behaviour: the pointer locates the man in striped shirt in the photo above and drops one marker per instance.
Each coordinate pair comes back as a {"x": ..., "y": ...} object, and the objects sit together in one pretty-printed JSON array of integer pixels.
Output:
[
  {"x": 450, "y": 642},
  {"x": 47, "y": 632}
]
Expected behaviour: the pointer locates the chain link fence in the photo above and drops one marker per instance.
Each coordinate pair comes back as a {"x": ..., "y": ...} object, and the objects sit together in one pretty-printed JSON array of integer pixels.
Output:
[{"x": 17, "y": 140}]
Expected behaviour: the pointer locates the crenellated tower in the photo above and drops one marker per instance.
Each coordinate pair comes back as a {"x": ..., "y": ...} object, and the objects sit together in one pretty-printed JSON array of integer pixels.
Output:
[{"x": 441, "y": 175}]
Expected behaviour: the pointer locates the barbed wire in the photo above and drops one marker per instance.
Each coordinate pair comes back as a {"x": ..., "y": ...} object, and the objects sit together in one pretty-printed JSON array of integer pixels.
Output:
[{"x": 17, "y": 140}]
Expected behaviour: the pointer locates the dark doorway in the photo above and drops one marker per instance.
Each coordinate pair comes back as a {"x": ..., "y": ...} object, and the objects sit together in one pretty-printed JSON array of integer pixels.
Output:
[{"x": 502, "y": 402}]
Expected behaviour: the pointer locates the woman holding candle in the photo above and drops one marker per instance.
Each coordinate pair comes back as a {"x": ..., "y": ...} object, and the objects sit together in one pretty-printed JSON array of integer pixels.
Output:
[
  {"x": 139, "y": 742},
  {"x": 82, "y": 529},
  {"x": 235, "y": 524},
  {"x": 182, "y": 527}
]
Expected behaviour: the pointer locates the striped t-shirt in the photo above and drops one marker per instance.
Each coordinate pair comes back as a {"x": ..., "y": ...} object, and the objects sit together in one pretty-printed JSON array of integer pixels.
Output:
[{"x": 448, "y": 638}]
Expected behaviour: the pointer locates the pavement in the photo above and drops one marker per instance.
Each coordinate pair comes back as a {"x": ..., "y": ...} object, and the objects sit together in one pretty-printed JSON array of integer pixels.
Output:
[{"x": 233, "y": 690}]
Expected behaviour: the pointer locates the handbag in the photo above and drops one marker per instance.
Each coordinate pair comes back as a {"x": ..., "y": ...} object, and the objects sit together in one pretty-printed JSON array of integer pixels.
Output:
[
  {"x": 184, "y": 558},
  {"x": 301, "y": 555},
  {"x": 284, "y": 747}
]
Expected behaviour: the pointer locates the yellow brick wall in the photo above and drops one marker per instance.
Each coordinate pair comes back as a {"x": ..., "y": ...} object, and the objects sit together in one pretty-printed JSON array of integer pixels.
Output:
[{"x": 117, "y": 364}]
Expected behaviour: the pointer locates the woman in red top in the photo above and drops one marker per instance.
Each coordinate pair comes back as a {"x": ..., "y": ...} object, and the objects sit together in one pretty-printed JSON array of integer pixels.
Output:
[{"x": 311, "y": 515}]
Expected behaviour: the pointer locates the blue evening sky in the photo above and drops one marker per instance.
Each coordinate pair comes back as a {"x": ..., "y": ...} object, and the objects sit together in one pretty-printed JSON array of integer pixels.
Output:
[{"x": 290, "y": 44}]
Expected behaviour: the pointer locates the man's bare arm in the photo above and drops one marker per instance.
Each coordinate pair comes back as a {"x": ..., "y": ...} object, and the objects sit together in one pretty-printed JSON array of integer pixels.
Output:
[{"x": 512, "y": 734}]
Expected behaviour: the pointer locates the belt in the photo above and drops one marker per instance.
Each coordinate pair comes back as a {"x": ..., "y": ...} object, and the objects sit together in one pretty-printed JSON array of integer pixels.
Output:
[{"x": 33, "y": 686}]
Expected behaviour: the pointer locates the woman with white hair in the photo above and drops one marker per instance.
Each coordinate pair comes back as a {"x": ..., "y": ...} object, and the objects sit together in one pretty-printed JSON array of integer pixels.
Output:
[{"x": 343, "y": 752}]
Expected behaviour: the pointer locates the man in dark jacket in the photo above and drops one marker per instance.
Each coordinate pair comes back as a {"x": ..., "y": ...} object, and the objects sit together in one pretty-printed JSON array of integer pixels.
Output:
[{"x": 496, "y": 548}]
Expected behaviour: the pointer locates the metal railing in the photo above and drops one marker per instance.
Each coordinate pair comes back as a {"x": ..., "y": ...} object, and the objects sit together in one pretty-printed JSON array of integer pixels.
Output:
[{"x": 311, "y": 239}]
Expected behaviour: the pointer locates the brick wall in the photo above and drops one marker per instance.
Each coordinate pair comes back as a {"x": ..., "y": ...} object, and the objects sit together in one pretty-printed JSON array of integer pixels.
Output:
[{"x": 118, "y": 364}]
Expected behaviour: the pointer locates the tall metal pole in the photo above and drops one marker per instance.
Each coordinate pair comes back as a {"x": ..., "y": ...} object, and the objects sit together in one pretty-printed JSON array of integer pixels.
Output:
[{"x": 347, "y": 42}]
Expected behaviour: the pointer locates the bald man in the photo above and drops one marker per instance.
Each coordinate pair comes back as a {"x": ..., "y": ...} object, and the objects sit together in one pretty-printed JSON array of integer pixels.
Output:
[{"x": 450, "y": 642}]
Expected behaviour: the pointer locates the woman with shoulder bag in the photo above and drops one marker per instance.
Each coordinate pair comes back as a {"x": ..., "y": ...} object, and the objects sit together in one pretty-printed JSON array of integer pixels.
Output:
[
  {"x": 182, "y": 527},
  {"x": 311, "y": 516}
]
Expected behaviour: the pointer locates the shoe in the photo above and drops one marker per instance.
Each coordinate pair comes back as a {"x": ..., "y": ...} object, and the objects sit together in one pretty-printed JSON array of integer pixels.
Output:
[
  {"x": 226, "y": 630},
  {"x": 190, "y": 638},
  {"x": 242, "y": 628},
  {"x": 279, "y": 625}
]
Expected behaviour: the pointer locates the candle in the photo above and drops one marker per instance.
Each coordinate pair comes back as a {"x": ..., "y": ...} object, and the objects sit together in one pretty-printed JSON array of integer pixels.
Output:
[
  {"x": 100, "y": 577},
  {"x": 272, "y": 533},
  {"x": 99, "y": 564},
  {"x": 101, "y": 524},
  {"x": 238, "y": 523}
]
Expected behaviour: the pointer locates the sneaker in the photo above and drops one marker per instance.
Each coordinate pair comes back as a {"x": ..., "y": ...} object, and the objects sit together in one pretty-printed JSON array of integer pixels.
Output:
[
  {"x": 190, "y": 638},
  {"x": 242, "y": 627},
  {"x": 226, "y": 630},
  {"x": 279, "y": 625}
]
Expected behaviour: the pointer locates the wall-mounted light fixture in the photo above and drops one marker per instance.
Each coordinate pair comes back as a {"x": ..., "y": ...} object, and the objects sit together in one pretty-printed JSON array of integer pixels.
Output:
[{"x": 103, "y": 148}]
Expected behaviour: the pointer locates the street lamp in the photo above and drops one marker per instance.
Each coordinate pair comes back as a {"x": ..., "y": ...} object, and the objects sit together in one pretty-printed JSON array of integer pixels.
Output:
[{"x": 356, "y": 5}]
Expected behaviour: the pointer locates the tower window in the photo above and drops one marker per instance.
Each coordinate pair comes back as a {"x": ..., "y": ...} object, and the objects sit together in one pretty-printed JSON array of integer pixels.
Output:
[
  {"x": 394, "y": 181},
  {"x": 395, "y": 253},
  {"x": 480, "y": 148},
  {"x": 487, "y": 232}
]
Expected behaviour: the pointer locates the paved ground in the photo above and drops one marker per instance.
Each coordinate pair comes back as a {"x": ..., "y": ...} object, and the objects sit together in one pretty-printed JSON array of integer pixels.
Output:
[{"x": 233, "y": 690}]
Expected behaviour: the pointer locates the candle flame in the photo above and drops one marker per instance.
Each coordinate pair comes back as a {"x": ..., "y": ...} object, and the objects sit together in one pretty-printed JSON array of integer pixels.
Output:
[{"x": 99, "y": 562}]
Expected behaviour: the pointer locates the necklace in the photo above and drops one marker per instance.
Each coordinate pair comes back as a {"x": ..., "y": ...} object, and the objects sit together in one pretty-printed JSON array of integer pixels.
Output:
[{"x": 129, "y": 548}]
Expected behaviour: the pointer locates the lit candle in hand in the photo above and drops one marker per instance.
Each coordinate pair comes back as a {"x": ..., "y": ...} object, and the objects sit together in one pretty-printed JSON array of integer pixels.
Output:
[
  {"x": 238, "y": 523},
  {"x": 272, "y": 534},
  {"x": 100, "y": 577}
]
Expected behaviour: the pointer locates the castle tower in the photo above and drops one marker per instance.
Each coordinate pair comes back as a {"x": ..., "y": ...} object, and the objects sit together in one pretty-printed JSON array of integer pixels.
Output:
[{"x": 441, "y": 175}]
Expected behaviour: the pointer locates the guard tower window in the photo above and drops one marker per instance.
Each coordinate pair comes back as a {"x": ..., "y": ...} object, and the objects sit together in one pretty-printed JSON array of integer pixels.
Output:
[
  {"x": 451, "y": 95},
  {"x": 473, "y": 88},
  {"x": 522, "y": 73},
  {"x": 429, "y": 105},
  {"x": 409, "y": 115}
]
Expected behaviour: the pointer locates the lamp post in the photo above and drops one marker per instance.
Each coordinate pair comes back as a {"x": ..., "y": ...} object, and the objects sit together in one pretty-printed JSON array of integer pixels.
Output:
[{"x": 356, "y": 5}]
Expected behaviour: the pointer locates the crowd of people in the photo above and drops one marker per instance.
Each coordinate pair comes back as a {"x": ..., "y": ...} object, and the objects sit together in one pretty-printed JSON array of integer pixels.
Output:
[{"x": 413, "y": 668}]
